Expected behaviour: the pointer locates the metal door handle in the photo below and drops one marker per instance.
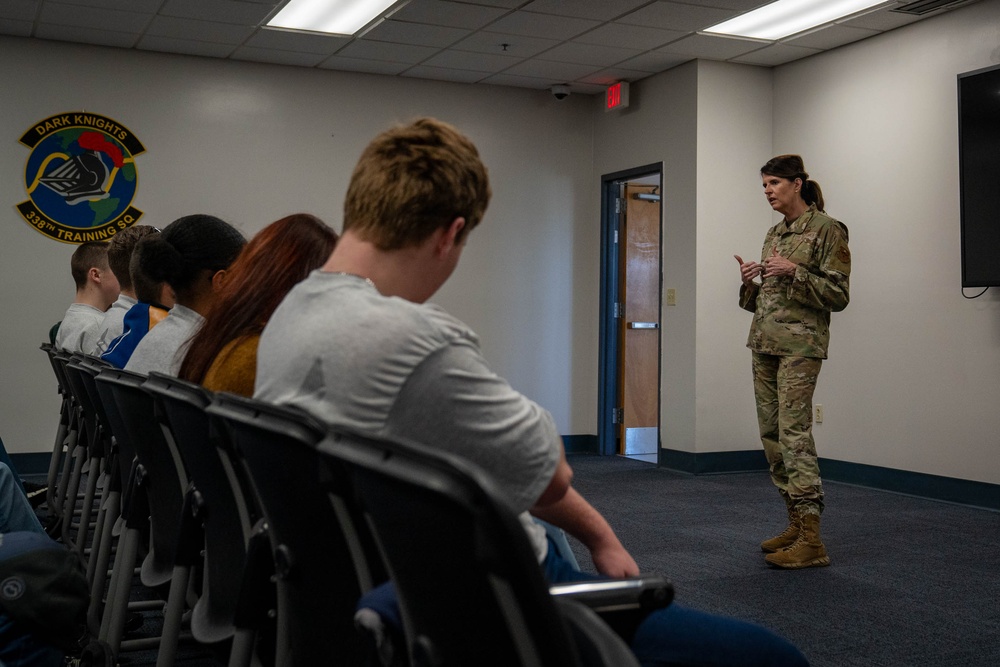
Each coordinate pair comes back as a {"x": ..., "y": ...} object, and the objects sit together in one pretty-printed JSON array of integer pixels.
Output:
[{"x": 643, "y": 325}]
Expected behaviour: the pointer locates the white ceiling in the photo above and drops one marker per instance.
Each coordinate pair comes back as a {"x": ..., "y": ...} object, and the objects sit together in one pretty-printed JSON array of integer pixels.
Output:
[{"x": 587, "y": 44}]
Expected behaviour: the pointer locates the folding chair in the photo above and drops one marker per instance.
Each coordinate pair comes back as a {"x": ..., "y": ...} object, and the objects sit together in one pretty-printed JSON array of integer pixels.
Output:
[
  {"x": 156, "y": 488},
  {"x": 223, "y": 508},
  {"x": 470, "y": 588},
  {"x": 324, "y": 556},
  {"x": 62, "y": 495},
  {"x": 88, "y": 457},
  {"x": 80, "y": 372},
  {"x": 66, "y": 419}
]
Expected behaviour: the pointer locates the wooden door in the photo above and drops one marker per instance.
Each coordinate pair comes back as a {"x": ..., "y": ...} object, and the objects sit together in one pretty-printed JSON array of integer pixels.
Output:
[{"x": 639, "y": 333}]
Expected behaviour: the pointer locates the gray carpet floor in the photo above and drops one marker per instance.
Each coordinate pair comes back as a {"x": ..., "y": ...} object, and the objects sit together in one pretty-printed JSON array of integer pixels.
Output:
[{"x": 913, "y": 582}]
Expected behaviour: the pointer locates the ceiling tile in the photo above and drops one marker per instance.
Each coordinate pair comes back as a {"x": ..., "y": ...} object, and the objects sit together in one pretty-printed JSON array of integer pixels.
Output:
[
  {"x": 557, "y": 72},
  {"x": 712, "y": 47},
  {"x": 400, "y": 32},
  {"x": 506, "y": 4},
  {"x": 493, "y": 42},
  {"x": 123, "y": 40},
  {"x": 277, "y": 57},
  {"x": 589, "y": 54},
  {"x": 286, "y": 40},
  {"x": 397, "y": 53},
  {"x": 606, "y": 77},
  {"x": 676, "y": 16},
  {"x": 202, "y": 31},
  {"x": 478, "y": 62},
  {"x": 141, "y": 6},
  {"x": 776, "y": 54},
  {"x": 506, "y": 79},
  {"x": 881, "y": 20},
  {"x": 601, "y": 10},
  {"x": 442, "y": 74},
  {"x": 634, "y": 36},
  {"x": 740, "y": 5},
  {"x": 547, "y": 41},
  {"x": 19, "y": 10},
  {"x": 542, "y": 25},
  {"x": 363, "y": 65},
  {"x": 222, "y": 11},
  {"x": 98, "y": 19},
  {"x": 184, "y": 46},
  {"x": 453, "y": 14},
  {"x": 654, "y": 61},
  {"x": 16, "y": 28},
  {"x": 831, "y": 37}
]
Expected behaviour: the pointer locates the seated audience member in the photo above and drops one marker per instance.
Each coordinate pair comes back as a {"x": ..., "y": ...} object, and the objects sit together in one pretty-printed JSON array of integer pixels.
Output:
[
  {"x": 356, "y": 345},
  {"x": 96, "y": 290},
  {"x": 16, "y": 513},
  {"x": 119, "y": 256},
  {"x": 191, "y": 255},
  {"x": 154, "y": 301},
  {"x": 222, "y": 356}
]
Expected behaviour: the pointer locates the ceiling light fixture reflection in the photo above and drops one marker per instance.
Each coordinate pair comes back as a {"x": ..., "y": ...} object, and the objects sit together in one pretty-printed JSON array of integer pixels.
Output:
[
  {"x": 338, "y": 17},
  {"x": 788, "y": 17}
]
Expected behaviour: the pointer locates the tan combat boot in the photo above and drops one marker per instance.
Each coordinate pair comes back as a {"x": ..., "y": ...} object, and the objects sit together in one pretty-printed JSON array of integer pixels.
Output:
[
  {"x": 806, "y": 551},
  {"x": 787, "y": 538}
]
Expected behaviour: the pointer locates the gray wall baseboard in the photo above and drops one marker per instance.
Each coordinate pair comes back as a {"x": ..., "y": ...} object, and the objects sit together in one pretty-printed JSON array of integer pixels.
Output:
[{"x": 935, "y": 487}]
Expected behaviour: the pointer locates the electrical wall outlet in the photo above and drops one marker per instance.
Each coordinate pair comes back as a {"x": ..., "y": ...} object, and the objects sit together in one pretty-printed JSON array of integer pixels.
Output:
[
  {"x": 671, "y": 296},
  {"x": 819, "y": 413}
]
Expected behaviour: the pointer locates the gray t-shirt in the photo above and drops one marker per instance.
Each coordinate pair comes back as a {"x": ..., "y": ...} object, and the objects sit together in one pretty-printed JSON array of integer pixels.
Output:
[
  {"x": 387, "y": 367},
  {"x": 164, "y": 347},
  {"x": 79, "y": 328},
  {"x": 111, "y": 326}
]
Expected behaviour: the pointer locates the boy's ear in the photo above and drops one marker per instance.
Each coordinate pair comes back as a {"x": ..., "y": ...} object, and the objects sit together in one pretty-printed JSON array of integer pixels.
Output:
[
  {"x": 94, "y": 274},
  {"x": 449, "y": 239}
]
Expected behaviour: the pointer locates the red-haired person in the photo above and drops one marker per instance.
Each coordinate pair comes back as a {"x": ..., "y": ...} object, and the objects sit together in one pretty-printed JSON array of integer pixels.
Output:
[{"x": 222, "y": 356}]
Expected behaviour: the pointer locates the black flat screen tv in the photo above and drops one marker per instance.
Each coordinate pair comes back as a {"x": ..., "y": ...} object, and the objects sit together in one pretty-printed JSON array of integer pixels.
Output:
[{"x": 979, "y": 175}]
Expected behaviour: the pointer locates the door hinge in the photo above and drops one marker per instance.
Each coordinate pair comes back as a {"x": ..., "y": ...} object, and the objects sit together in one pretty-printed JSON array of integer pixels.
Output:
[
  {"x": 617, "y": 310},
  {"x": 617, "y": 415}
]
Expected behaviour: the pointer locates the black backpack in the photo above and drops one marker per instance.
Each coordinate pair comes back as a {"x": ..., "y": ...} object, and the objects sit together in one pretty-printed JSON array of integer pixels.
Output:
[{"x": 43, "y": 588}]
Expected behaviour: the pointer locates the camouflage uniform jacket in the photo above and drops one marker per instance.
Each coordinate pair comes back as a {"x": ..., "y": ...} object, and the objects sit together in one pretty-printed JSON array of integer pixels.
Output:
[{"x": 792, "y": 314}]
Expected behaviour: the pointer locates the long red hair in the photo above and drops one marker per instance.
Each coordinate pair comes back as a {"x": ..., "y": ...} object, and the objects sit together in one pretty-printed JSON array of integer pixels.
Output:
[{"x": 275, "y": 260}]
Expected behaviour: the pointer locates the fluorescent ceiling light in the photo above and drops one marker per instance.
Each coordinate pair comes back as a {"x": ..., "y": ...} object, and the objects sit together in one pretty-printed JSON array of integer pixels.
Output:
[
  {"x": 787, "y": 17},
  {"x": 340, "y": 17}
]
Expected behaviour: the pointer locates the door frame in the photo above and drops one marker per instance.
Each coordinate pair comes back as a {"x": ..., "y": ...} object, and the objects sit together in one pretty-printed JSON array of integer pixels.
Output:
[{"x": 609, "y": 342}]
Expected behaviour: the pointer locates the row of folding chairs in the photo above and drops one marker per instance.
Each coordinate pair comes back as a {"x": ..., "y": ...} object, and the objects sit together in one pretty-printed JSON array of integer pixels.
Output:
[{"x": 261, "y": 528}]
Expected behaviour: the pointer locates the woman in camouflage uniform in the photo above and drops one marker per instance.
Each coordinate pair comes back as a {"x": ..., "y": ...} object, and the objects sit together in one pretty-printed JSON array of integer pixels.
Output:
[{"x": 804, "y": 269}]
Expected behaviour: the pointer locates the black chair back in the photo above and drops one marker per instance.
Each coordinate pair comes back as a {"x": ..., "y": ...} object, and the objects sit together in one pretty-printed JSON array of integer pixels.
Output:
[
  {"x": 224, "y": 511},
  {"x": 323, "y": 555},
  {"x": 137, "y": 432},
  {"x": 470, "y": 588}
]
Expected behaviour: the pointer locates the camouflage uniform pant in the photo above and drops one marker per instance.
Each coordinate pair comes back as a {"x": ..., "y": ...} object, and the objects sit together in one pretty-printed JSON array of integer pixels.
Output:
[{"x": 783, "y": 387}]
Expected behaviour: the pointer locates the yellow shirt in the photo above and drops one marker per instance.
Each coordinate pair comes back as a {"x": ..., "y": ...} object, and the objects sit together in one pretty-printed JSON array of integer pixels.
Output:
[{"x": 235, "y": 368}]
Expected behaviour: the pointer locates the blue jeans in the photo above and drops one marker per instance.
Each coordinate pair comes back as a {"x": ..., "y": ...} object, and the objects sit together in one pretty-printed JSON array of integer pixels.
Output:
[
  {"x": 678, "y": 635},
  {"x": 672, "y": 636},
  {"x": 16, "y": 514}
]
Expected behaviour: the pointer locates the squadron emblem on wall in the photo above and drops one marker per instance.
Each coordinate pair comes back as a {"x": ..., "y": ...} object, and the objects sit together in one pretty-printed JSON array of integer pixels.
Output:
[{"x": 80, "y": 177}]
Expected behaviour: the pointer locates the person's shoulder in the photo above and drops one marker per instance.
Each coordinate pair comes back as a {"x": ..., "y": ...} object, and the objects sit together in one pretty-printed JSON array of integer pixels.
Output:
[
  {"x": 445, "y": 323},
  {"x": 822, "y": 220}
]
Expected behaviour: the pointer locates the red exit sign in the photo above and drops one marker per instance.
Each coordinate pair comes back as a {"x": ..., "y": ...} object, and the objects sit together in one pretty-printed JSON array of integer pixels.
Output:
[{"x": 616, "y": 96}]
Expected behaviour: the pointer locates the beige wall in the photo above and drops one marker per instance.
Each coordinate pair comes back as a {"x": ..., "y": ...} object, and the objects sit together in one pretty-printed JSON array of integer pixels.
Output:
[
  {"x": 912, "y": 382},
  {"x": 251, "y": 143}
]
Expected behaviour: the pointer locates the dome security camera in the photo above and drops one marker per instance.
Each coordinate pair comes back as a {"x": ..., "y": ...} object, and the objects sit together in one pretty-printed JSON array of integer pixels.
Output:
[{"x": 560, "y": 91}]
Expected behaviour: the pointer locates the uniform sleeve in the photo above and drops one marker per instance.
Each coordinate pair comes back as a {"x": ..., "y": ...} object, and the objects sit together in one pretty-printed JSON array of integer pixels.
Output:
[
  {"x": 748, "y": 296},
  {"x": 826, "y": 287},
  {"x": 453, "y": 400}
]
